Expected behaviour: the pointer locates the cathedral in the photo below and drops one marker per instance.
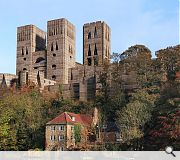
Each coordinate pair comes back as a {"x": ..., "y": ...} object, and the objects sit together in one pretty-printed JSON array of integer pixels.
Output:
[{"x": 48, "y": 59}]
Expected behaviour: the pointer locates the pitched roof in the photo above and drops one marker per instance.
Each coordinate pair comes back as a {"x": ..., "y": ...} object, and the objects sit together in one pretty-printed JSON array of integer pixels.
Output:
[
  {"x": 178, "y": 75},
  {"x": 67, "y": 117}
]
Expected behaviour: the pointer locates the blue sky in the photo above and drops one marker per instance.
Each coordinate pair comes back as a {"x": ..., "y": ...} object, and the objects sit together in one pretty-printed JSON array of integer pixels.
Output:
[{"x": 154, "y": 23}]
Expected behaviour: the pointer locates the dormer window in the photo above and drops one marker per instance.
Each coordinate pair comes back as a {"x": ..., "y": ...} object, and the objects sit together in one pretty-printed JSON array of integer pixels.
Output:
[{"x": 73, "y": 118}]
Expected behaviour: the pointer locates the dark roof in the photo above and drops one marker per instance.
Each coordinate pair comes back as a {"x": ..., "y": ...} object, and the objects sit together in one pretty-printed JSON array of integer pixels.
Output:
[{"x": 111, "y": 127}]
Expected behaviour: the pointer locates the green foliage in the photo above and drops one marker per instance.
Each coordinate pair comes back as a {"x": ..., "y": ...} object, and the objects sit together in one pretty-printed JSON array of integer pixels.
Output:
[
  {"x": 132, "y": 118},
  {"x": 77, "y": 133},
  {"x": 22, "y": 117}
]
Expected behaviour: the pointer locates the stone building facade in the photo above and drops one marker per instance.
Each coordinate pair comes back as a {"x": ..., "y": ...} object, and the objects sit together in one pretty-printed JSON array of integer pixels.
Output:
[
  {"x": 54, "y": 66},
  {"x": 96, "y": 43},
  {"x": 60, "y": 131}
]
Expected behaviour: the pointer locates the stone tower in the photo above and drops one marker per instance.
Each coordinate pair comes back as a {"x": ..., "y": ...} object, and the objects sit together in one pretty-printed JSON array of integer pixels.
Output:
[
  {"x": 60, "y": 49},
  {"x": 30, "y": 39},
  {"x": 96, "y": 43}
]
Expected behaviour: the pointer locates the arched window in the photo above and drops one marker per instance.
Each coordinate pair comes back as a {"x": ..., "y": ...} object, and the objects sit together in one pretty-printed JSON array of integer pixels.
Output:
[
  {"x": 56, "y": 46},
  {"x": 95, "y": 50},
  {"x": 40, "y": 59},
  {"x": 89, "y": 35},
  {"x": 52, "y": 49},
  {"x": 95, "y": 33},
  {"x": 22, "y": 51},
  {"x": 24, "y": 69},
  {"x": 89, "y": 50},
  {"x": 26, "y": 51},
  {"x": 54, "y": 77},
  {"x": 53, "y": 66}
]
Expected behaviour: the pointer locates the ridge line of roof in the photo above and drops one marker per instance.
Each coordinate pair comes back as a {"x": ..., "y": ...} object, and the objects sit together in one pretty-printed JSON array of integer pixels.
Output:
[{"x": 65, "y": 117}]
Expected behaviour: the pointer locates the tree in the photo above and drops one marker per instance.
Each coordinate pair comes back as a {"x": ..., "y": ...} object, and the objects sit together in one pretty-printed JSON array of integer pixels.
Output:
[
  {"x": 22, "y": 117},
  {"x": 164, "y": 127},
  {"x": 132, "y": 118}
]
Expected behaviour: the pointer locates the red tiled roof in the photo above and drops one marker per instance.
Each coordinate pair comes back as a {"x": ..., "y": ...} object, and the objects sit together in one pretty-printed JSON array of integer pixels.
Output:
[
  {"x": 66, "y": 117},
  {"x": 178, "y": 75}
]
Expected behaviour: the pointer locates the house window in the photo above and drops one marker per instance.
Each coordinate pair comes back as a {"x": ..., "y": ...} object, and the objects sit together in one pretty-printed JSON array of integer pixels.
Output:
[
  {"x": 72, "y": 128},
  {"x": 61, "y": 137},
  {"x": 61, "y": 148},
  {"x": 61, "y": 128},
  {"x": 53, "y": 128},
  {"x": 72, "y": 137},
  {"x": 52, "y": 138}
]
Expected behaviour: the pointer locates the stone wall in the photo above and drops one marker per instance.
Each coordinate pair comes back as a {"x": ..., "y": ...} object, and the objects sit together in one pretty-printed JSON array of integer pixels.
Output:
[{"x": 6, "y": 80}]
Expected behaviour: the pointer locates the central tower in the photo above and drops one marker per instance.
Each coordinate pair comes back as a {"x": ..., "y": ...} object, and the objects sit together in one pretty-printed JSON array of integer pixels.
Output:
[
  {"x": 96, "y": 43},
  {"x": 60, "y": 49}
]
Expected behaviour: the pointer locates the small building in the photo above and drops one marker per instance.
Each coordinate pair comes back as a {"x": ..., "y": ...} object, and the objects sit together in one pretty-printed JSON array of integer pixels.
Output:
[
  {"x": 60, "y": 132},
  {"x": 111, "y": 133}
]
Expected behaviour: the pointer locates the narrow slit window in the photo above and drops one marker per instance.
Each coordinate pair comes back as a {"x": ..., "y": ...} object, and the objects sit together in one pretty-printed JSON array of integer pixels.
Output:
[
  {"x": 52, "y": 49},
  {"x": 26, "y": 51},
  {"x": 89, "y": 35},
  {"x": 95, "y": 33},
  {"x": 95, "y": 50},
  {"x": 22, "y": 51},
  {"x": 57, "y": 46},
  {"x": 71, "y": 75},
  {"x": 89, "y": 50}
]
